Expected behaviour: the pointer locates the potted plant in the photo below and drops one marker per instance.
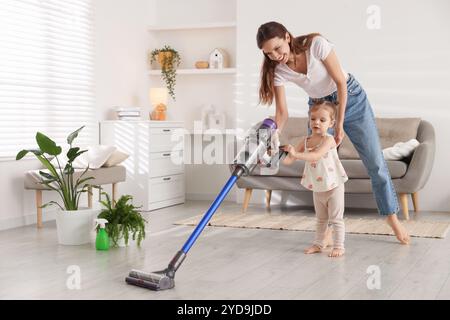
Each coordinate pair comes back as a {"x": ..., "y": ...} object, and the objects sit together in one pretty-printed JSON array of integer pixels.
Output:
[
  {"x": 169, "y": 59},
  {"x": 74, "y": 225},
  {"x": 124, "y": 221}
]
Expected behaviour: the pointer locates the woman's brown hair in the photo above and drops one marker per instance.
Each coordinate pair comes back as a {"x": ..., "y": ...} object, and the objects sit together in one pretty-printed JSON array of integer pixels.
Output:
[{"x": 297, "y": 45}]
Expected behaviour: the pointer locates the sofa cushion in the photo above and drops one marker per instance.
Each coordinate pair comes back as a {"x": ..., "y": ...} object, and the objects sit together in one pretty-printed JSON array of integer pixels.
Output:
[
  {"x": 400, "y": 150},
  {"x": 390, "y": 130},
  {"x": 355, "y": 169},
  {"x": 116, "y": 158}
]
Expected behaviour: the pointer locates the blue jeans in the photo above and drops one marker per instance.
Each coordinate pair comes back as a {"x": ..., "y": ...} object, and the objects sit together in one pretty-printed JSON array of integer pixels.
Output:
[{"x": 361, "y": 128}]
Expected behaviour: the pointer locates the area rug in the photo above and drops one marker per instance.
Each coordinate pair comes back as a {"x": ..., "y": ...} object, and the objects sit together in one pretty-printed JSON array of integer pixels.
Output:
[{"x": 423, "y": 229}]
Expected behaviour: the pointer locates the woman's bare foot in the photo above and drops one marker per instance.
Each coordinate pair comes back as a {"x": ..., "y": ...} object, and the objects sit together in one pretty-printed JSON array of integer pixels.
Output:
[
  {"x": 399, "y": 230},
  {"x": 336, "y": 252},
  {"x": 312, "y": 249}
]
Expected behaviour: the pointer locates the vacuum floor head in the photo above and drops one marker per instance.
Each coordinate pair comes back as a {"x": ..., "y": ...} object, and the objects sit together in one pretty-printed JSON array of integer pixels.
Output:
[{"x": 158, "y": 280}]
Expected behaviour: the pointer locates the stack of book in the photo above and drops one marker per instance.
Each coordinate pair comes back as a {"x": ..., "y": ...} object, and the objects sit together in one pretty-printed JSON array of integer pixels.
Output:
[{"x": 133, "y": 113}]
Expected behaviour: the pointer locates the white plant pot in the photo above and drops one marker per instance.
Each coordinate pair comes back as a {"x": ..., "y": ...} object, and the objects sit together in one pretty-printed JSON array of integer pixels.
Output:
[
  {"x": 75, "y": 227},
  {"x": 121, "y": 240}
]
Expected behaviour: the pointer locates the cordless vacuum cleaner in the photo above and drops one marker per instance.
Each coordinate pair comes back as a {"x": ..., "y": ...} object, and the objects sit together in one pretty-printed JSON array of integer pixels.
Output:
[{"x": 255, "y": 151}]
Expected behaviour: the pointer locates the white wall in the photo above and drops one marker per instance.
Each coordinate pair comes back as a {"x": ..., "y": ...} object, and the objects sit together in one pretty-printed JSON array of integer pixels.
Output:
[
  {"x": 121, "y": 47},
  {"x": 18, "y": 207},
  {"x": 194, "y": 11},
  {"x": 403, "y": 66}
]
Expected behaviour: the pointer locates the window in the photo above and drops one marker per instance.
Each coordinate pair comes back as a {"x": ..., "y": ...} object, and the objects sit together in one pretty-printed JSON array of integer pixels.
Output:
[{"x": 46, "y": 72}]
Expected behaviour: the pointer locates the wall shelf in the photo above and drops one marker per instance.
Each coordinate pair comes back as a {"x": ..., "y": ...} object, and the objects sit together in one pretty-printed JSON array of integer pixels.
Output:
[
  {"x": 195, "y": 40},
  {"x": 212, "y": 25},
  {"x": 157, "y": 72}
]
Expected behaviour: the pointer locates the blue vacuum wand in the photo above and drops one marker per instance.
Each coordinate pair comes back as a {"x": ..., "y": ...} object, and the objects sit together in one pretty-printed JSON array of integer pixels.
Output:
[{"x": 256, "y": 150}]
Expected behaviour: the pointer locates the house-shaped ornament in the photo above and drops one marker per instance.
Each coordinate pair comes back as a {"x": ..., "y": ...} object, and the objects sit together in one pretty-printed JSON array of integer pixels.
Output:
[{"x": 218, "y": 59}]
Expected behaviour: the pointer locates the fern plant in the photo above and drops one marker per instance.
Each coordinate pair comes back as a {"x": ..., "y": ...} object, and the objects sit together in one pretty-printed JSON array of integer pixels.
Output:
[{"x": 123, "y": 219}]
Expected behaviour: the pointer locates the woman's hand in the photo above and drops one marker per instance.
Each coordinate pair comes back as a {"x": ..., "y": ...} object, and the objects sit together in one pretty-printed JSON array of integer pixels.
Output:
[
  {"x": 274, "y": 143},
  {"x": 339, "y": 134}
]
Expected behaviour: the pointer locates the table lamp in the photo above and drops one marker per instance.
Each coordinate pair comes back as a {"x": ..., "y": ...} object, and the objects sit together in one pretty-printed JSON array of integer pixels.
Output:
[{"x": 158, "y": 99}]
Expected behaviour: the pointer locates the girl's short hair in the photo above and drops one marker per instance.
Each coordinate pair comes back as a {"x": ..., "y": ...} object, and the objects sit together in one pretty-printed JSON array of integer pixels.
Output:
[{"x": 325, "y": 104}]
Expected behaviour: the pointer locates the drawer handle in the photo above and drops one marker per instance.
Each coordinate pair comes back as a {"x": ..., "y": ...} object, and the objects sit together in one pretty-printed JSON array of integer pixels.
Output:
[
  {"x": 166, "y": 154},
  {"x": 166, "y": 130},
  {"x": 166, "y": 179}
]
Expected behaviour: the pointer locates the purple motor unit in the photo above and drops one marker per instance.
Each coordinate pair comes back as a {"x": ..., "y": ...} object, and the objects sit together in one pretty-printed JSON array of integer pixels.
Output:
[{"x": 269, "y": 123}]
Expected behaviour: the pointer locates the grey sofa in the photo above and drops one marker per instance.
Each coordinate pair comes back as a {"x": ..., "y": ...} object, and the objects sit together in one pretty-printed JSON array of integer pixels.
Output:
[{"x": 408, "y": 175}]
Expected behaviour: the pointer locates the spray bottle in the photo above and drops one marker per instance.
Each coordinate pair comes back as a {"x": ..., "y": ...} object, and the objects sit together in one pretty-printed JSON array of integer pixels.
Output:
[{"x": 102, "y": 240}]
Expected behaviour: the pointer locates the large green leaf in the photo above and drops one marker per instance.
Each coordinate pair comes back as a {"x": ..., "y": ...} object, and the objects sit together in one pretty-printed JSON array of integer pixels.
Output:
[
  {"x": 22, "y": 153},
  {"x": 47, "y": 164},
  {"x": 51, "y": 203},
  {"x": 73, "y": 135},
  {"x": 47, "y": 145},
  {"x": 72, "y": 153},
  {"x": 80, "y": 182},
  {"x": 68, "y": 169},
  {"x": 47, "y": 175}
]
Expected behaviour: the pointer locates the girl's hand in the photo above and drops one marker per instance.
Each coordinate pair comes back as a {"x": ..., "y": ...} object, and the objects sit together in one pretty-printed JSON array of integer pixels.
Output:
[
  {"x": 291, "y": 150},
  {"x": 339, "y": 134}
]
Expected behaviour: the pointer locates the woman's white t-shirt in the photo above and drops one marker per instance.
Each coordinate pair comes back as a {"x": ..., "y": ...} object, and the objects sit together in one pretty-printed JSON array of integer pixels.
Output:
[{"x": 316, "y": 82}]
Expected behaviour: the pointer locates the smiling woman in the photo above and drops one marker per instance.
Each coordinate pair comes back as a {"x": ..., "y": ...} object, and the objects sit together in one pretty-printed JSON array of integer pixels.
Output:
[
  {"x": 280, "y": 47},
  {"x": 310, "y": 62}
]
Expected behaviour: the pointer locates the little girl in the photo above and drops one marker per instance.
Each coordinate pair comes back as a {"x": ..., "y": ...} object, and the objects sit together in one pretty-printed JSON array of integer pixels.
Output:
[{"x": 324, "y": 175}]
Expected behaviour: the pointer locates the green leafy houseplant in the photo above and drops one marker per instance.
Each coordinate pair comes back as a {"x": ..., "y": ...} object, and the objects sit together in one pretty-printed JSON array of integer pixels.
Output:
[
  {"x": 123, "y": 219},
  {"x": 169, "y": 59},
  {"x": 60, "y": 179}
]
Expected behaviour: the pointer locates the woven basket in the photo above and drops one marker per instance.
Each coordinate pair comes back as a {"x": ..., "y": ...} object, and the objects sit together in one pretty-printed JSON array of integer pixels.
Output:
[{"x": 165, "y": 59}]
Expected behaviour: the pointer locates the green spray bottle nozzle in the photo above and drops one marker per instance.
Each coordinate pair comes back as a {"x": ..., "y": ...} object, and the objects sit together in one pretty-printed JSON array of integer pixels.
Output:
[
  {"x": 102, "y": 240},
  {"x": 100, "y": 222}
]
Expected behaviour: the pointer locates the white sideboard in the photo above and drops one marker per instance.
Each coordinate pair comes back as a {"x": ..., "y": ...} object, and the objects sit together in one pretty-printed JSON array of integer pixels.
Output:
[{"x": 155, "y": 170}]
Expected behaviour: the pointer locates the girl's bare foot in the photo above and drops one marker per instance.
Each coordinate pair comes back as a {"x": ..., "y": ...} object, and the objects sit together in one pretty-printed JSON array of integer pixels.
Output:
[
  {"x": 399, "y": 230},
  {"x": 312, "y": 249},
  {"x": 336, "y": 252}
]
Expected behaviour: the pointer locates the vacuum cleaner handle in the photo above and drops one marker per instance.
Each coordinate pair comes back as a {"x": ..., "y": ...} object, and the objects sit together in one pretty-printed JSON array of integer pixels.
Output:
[{"x": 212, "y": 209}]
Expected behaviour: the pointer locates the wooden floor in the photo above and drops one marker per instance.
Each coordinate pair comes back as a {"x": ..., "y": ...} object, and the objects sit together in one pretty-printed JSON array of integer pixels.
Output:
[{"x": 226, "y": 263}]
